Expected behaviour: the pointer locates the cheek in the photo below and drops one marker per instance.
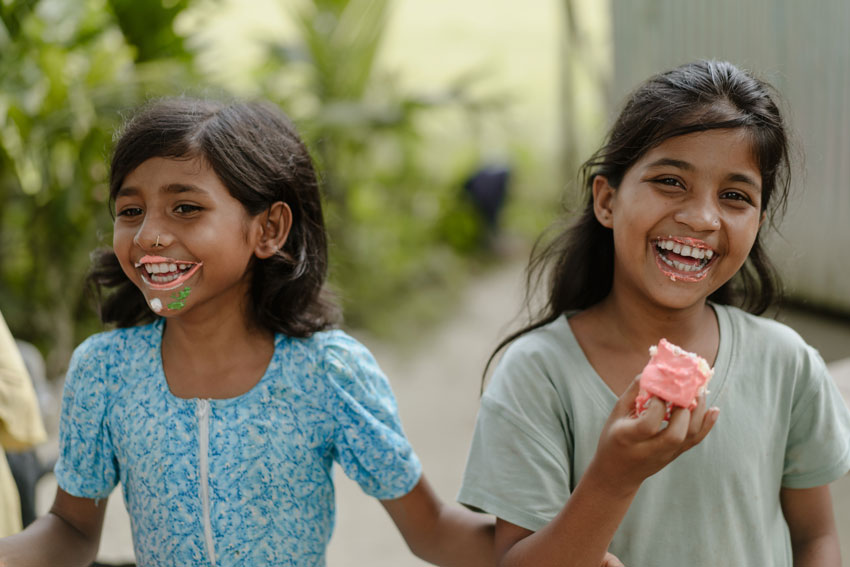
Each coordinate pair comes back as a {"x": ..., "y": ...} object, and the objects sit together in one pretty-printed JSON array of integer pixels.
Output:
[{"x": 122, "y": 241}]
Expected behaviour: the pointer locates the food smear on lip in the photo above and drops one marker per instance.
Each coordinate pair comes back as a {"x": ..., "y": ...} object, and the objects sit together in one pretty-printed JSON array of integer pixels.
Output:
[
  {"x": 162, "y": 273},
  {"x": 683, "y": 259},
  {"x": 674, "y": 375},
  {"x": 156, "y": 305}
]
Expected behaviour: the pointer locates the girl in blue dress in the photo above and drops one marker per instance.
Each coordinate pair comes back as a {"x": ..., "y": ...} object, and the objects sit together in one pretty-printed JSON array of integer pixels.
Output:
[{"x": 225, "y": 394}]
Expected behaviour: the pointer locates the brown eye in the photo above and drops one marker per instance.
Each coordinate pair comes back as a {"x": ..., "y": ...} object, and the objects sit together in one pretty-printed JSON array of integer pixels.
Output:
[
  {"x": 130, "y": 212},
  {"x": 185, "y": 209},
  {"x": 736, "y": 196},
  {"x": 668, "y": 181}
]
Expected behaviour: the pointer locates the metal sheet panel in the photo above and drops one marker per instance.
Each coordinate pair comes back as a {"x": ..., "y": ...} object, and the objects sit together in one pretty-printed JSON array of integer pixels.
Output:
[{"x": 803, "y": 49}]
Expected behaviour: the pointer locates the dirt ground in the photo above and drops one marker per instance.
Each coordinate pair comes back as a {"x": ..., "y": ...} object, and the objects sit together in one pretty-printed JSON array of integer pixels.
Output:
[{"x": 437, "y": 386}]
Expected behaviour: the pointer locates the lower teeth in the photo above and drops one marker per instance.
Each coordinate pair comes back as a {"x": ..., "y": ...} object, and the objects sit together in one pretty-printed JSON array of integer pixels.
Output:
[{"x": 683, "y": 267}]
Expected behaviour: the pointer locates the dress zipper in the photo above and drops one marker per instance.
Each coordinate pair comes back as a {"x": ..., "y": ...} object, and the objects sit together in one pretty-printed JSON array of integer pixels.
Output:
[{"x": 203, "y": 412}]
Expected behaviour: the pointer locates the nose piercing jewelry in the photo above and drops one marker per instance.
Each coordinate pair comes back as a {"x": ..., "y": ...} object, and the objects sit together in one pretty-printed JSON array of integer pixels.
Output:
[{"x": 157, "y": 244}]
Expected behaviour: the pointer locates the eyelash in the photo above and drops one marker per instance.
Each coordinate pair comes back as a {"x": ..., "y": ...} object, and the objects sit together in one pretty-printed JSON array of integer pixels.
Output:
[
  {"x": 668, "y": 181},
  {"x": 184, "y": 206},
  {"x": 737, "y": 196},
  {"x": 130, "y": 212},
  {"x": 184, "y": 209}
]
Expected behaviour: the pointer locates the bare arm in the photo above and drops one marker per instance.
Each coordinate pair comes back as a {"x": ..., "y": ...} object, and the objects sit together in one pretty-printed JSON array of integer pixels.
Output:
[
  {"x": 630, "y": 450},
  {"x": 68, "y": 535},
  {"x": 440, "y": 534},
  {"x": 814, "y": 539}
]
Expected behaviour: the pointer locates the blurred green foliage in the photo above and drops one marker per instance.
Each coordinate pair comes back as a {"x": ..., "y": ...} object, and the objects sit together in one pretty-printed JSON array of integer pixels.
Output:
[
  {"x": 69, "y": 69},
  {"x": 396, "y": 227}
]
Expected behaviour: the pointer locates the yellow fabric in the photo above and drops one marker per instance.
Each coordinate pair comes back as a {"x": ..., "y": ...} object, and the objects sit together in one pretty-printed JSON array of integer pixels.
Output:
[
  {"x": 20, "y": 424},
  {"x": 10, "y": 504}
]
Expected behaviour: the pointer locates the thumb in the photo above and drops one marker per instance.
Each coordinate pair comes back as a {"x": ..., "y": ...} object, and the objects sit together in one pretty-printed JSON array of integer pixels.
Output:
[{"x": 626, "y": 404}]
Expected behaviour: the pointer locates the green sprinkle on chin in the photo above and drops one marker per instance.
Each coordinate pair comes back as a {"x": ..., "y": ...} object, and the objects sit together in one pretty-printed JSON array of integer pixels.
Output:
[{"x": 180, "y": 296}]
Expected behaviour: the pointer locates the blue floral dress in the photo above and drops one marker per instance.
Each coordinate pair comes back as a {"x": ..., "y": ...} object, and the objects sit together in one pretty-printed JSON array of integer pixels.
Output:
[{"x": 239, "y": 481}]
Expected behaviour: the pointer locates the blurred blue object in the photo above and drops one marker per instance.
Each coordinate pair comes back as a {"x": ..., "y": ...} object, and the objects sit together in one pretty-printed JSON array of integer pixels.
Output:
[{"x": 488, "y": 189}]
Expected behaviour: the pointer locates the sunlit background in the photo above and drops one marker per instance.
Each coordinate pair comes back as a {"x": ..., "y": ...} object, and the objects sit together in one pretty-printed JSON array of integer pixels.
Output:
[{"x": 402, "y": 102}]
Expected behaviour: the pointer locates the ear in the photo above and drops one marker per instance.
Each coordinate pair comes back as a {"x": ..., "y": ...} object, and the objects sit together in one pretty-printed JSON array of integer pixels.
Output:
[
  {"x": 274, "y": 230},
  {"x": 763, "y": 218},
  {"x": 603, "y": 201}
]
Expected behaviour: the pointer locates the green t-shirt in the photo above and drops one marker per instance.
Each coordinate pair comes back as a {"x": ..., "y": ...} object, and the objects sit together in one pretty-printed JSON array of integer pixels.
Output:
[{"x": 782, "y": 424}]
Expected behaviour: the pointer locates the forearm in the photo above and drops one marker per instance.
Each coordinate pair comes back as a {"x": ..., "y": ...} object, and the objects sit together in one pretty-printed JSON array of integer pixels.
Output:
[
  {"x": 820, "y": 552},
  {"x": 811, "y": 525},
  {"x": 459, "y": 538},
  {"x": 580, "y": 534},
  {"x": 49, "y": 540},
  {"x": 448, "y": 536}
]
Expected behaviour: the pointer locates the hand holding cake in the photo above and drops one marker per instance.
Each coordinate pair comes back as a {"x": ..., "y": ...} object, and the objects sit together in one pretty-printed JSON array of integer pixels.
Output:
[{"x": 674, "y": 375}]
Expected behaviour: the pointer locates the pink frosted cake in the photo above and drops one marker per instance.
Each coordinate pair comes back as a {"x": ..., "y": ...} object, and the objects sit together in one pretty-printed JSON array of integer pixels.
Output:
[{"x": 674, "y": 375}]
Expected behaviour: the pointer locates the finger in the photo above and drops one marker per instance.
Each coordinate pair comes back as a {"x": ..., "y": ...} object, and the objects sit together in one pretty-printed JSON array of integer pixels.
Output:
[
  {"x": 649, "y": 422},
  {"x": 677, "y": 427},
  {"x": 697, "y": 416},
  {"x": 610, "y": 560},
  {"x": 708, "y": 422},
  {"x": 626, "y": 402}
]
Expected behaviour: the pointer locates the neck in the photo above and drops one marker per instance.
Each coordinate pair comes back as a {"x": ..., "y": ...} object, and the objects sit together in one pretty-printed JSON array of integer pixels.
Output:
[
  {"x": 636, "y": 324},
  {"x": 218, "y": 334}
]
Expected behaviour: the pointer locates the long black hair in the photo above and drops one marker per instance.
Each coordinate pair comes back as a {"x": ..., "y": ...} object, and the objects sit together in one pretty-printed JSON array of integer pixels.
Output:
[
  {"x": 255, "y": 151},
  {"x": 578, "y": 263}
]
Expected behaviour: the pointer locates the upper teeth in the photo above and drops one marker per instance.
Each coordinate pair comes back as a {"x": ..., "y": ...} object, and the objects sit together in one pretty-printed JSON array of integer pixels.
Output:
[
  {"x": 162, "y": 268},
  {"x": 685, "y": 250}
]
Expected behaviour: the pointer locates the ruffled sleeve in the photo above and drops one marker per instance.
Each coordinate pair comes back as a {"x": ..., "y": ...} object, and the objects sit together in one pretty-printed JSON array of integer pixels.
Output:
[
  {"x": 369, "y": 442},
  {"x": 87, "y": 466}
]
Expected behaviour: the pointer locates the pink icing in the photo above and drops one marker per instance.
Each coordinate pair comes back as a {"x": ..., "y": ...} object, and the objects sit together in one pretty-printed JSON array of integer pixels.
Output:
[{"x": 674, "y": 375}]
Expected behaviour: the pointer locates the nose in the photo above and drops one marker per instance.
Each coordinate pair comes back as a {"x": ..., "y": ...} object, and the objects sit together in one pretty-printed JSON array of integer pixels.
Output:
[
  {"x": 700, "y": 214},
  {"x": 152, "y": 235}
]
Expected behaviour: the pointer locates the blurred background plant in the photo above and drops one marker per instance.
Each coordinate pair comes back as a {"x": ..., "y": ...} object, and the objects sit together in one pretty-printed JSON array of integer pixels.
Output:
[
  {"x": 403, "y": 233},
  {"x": 397, "y": 229},
  {"x": 67, "y": 69}
]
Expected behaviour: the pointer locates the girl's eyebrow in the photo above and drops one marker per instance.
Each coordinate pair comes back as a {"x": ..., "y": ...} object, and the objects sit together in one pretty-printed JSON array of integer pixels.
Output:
[
  {"x": 182, "y": 188},
  {"x": 674, "y": 162},
  {"x": 739, "y": 177},
  {"x": 128, "y": 191}
]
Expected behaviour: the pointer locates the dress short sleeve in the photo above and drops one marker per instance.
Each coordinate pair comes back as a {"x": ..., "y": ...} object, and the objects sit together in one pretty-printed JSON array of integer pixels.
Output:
[
  {"x": 818, "y": 448},
  {"x": 370, "y": 444},
  {"x": 519, "y": 465},
  {"x": 87, "y": 467}
]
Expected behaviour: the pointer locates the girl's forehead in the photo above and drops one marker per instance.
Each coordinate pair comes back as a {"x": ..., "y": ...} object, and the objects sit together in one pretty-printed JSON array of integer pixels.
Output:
[
  {"x": 719, "y": 149},
  {"x": 170, "y": 174}
]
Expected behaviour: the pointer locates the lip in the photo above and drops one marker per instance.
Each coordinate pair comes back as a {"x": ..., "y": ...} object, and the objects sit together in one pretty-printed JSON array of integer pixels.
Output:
[
  {"x": 160, "y": 260},
  {"x": 678, "y": 275}
]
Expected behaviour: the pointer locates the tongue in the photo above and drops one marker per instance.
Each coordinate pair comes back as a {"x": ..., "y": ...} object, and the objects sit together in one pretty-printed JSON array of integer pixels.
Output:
[{"x": 670, "y": 255}]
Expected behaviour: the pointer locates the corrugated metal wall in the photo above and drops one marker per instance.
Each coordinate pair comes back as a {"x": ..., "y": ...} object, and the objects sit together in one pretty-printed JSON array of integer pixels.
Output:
[{"x": 803, "y": 49}]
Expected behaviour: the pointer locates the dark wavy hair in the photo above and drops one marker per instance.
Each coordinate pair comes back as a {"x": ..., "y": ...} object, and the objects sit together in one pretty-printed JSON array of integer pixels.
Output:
[
  {"x": 255, "y": 151},
  {"x": 578, "y": 263}
]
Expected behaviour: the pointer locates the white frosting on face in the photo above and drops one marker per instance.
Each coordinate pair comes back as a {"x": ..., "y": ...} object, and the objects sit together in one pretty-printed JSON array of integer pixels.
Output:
[{"x": 156, "y": 305}]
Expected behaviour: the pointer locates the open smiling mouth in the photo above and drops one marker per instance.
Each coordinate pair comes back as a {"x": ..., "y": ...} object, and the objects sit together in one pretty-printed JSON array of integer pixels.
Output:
[
  {"x": 165, "y": 273},
  {"x": 683, "y": 259}
]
